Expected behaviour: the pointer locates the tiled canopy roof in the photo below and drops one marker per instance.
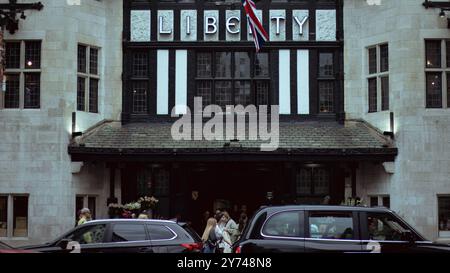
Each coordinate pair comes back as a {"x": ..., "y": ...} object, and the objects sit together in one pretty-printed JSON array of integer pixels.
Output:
[{"x": 315, "y": 137}]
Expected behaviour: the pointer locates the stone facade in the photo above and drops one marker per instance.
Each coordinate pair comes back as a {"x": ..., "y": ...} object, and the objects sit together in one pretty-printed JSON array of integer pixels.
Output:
[
  {"x": 422, "y": 168},
  {"x": 33, "y": 150}
]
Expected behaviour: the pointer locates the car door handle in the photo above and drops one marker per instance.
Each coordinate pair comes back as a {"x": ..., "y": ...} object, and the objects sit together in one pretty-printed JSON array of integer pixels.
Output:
[{"x": 145, "y": 250}]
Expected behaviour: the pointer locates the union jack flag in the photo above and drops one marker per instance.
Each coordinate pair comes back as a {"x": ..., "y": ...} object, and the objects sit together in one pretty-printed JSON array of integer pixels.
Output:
[{"x": 259, "y": 34}]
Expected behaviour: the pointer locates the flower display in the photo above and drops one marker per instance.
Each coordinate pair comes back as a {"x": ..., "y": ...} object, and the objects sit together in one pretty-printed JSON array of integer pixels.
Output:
[
  {"x": 148, "y": 202},
  {"x": 144, "y": 204}
]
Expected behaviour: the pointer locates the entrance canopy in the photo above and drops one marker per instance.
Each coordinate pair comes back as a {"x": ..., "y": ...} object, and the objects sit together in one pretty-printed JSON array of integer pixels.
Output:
[{"x": 313, "y": 140}]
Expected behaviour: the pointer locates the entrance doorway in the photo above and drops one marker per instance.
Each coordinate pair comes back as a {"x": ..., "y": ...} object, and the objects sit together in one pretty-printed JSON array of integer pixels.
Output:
[{"x": 233, "y": 187}]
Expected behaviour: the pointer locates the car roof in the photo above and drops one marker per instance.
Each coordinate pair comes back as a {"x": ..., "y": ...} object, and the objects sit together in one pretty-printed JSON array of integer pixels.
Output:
[
  {"x": 155, "y": 221},
  {"x": 324, "y": 208}
]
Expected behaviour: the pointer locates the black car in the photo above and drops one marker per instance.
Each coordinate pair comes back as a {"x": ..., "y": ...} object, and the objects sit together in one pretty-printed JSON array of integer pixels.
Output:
[
  {"x": 125, "y": 235},
  {"x": 331, "y": 229}
]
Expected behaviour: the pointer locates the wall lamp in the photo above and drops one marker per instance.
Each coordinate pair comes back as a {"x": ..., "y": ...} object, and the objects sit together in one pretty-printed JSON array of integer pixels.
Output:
[{"x": 444, "y": 6}]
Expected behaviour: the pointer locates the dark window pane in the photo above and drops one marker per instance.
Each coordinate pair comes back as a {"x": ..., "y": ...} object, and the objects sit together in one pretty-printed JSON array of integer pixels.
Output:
[
  {"x": 384, "y": 93},
  {"x": 326, "y": 65},
  {"x": 387, "y": 201},
  {"x": 447, "y": 45},
  {"x": 372, "y": 95},
  {"x": 3, "y": 216},
  {"x": 158, "y": 232},
  {"x": 204, "y": 90},
  {"x": 93, "y": 95},
  {"x": 374, "y": 201},
  {"x": 140, "y": 65},
  {"x": 81, "y": 94},
  {"x": 32, "y": 55},
  {"x": 444, "y": 212},
  {"x": 242, "y": 65},
  {"x": 384, "y": 58},
  {"x": 285, "y": 224},
  {"x": 82, "y": 59},
  {"x": 262, "y": 65},
  {"x": 12, "y": 91},
  {"x": 12, "y": 55},
  {"x": 223, "y": 64},
  {"x": 20, "y": 216},
  {"x": 162, "y": 177},
  {"x": 79, "y": 205},
  {"x": 223, "y": 93},
  {"x": 326, "y": 93},
  {"x": 140, "y": 97},
  {"x": 32, "y": 97},
  {"x": 448, "y": 90},
  {"x": 329, "y": 225},
  {"x": 92, "y": 206},
  {"x": 304, "y": 182},
  {"x": 242, "y": 93},
  {"x": 128, "y": 233},
  {"x": 433, "y": 54},
  {"x": 262, "y": 93},
  {"x": 321, "y": 181},
  {"x": 93, "y": 61},
  {"x": 204, "y": 63},
  {"x": 372, "y": 60},
  {"x": 434, "y": 90}
]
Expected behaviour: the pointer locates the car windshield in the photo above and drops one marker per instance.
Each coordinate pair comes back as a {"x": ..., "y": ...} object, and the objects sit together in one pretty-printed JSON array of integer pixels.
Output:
[{"x": 4, "y": 246}]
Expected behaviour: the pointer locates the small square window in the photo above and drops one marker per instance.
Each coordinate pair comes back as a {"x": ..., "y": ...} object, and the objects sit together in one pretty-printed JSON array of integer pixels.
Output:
[
  {"x": 384, "y": 58},
  {"x": 444, "y": 213},
  {"x": 32, "y": 55},
  {"x": 93, "y": 61},
  {"x": 434, "y": 90},
  {"x": 12, "y": 55},
  {"x": 372, "y": 60},
  {"x": 433, "y": 54}
]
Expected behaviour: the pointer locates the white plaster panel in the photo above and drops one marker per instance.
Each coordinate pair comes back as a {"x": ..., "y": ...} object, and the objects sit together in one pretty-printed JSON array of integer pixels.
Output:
[
  {"x": 300, "y": 14},
  {"x": 303, "y": 82},
  {"x": 326, "y": 25},
  {"x": 214, "y": 36},
  {"x": 284, "y": 82},
  {"x": 162, "y": 100},
  {"x": 140, "y": 25},
  {"x": 181, "y": 82},
  {"x": 192, "y": 35},
  {"x": 165, "y": 17},
  {"x": 233, "y": 36},
  {"x": 273, "y": 25}
]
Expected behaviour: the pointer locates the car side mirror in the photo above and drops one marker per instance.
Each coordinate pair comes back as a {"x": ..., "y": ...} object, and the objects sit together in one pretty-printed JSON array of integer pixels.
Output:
[
  {"x": 63, "y": 243},
  {"x": 408, "y": 236}
]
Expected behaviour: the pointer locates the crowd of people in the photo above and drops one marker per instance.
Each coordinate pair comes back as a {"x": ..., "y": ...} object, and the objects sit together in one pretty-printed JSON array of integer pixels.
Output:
[{"x": 221, "y": 232}]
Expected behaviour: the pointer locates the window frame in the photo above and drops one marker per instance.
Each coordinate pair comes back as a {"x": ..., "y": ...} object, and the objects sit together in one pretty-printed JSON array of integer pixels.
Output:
[
  {"x": 253, "y": 79},
  {"x": 10, "y": 216},
  {"x": 380, "y": 200},
  {"x": 382, "y": 96},
  {"x": 327, "y": 79},
  {"x": 87, "y": 76},
  {"x": 447, "y": 231},
  {"x": 443, "y": 70},
  {"x": 22, "y": 71},
  {"x": 86, "y": 204},
  {"x": 355, "y": 223}
]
